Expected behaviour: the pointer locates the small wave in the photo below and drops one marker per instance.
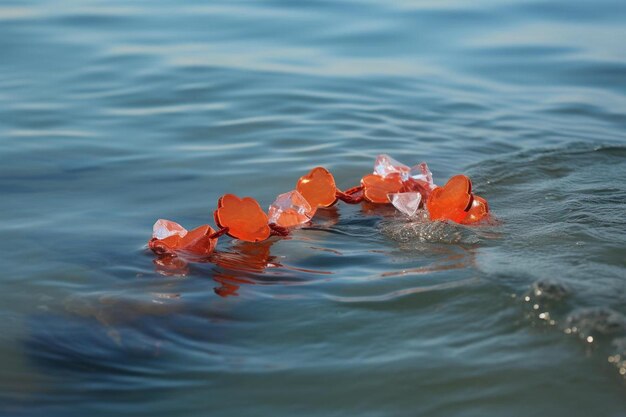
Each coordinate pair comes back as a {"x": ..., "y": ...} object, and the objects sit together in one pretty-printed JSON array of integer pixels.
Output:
[{"x": 379, "y": 298}]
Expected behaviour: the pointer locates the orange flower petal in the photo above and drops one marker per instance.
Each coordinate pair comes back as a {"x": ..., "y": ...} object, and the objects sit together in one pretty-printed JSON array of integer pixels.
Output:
[
  {"x": 478, "y": 211},
  {"x": 452, "y": 201},
  {"x": 164, "y": 246},
  {"x": 376, "y": 188},
  {"x": 172, "y": 242},
  {"x": 244, "y": 218},
  {"x": 318, "y": 188},
  {"x": 197, "y": 241}
]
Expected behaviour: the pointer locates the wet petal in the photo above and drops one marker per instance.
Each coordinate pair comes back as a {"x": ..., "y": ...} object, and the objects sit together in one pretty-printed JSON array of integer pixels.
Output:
[
  {"x": 244, "y": 218},
  {"x": 376, "y": 188},
  {"x": 318, "y": 188},
  {"x": 479, "y": 211},
  {"x": 452, "y": 201}
]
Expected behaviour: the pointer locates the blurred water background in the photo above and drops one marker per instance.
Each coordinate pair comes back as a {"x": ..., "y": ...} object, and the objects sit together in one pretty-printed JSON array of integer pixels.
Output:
[{"x": 116, "y": 113}]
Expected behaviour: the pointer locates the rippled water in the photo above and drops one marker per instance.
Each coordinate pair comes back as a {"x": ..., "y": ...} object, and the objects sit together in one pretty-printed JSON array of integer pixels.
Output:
[{"x": 113, "y": 114}]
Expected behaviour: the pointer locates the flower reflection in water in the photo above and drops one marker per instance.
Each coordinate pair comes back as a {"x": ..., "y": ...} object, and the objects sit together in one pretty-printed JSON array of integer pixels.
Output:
[
  {"x": 244, "y": 258},
  {"x": 171, "y": 265}
]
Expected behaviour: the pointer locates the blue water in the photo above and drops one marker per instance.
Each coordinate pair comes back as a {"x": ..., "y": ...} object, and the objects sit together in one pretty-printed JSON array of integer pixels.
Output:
[{"x": 114, "y": 114}]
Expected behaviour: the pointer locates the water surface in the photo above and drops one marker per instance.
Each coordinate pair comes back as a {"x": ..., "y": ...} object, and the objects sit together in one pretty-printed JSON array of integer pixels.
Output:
[{"x": 114, "y": 114}]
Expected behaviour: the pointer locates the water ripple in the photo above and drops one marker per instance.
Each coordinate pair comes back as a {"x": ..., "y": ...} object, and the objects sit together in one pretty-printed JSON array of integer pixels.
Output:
[{"x": 114, "y": 115}]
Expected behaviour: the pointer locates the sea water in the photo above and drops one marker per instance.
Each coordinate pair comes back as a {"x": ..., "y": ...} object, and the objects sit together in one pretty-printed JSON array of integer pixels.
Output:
[{"x": 114, "y": 114}]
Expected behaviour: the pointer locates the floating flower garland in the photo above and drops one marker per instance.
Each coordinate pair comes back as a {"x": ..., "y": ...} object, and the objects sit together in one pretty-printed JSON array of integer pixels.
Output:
[{"x": 406, "y": 188}]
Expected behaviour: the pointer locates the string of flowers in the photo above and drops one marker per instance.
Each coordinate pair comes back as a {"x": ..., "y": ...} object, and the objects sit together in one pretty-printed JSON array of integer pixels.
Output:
[{"x": 392, "y": 182}]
